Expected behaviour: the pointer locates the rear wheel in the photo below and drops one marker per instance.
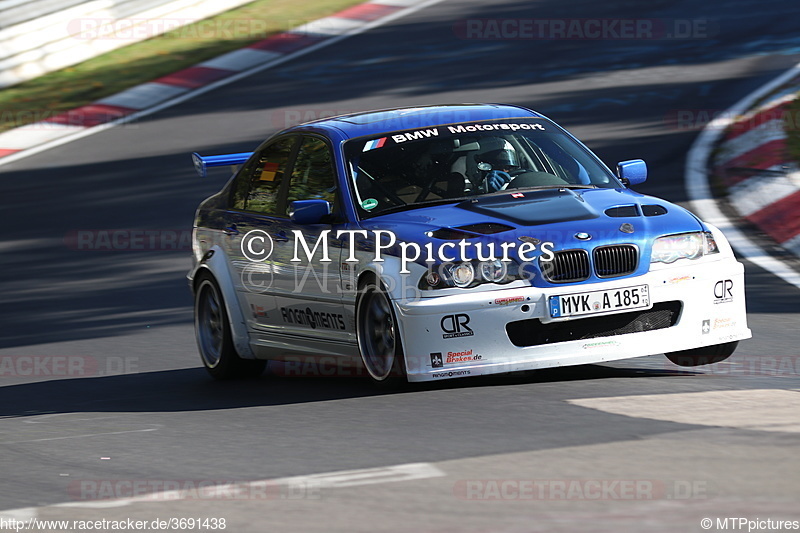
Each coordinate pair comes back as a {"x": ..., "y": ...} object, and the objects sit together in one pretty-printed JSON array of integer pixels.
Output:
[
  {"x": 378, "y": 337},
  {"x": 213, "y": 333},
  {"x": 703, "y": 356}
]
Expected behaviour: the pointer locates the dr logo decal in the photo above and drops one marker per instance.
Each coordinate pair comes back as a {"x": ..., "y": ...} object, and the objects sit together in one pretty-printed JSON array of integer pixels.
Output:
[
  {"x": 456, "y": 326},
  {"x": 723, "y": 291}
]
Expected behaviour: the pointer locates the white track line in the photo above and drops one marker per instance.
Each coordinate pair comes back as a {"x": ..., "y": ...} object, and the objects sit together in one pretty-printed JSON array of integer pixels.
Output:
[
  {"x": 699, "y": 191},
  {"x": 329, "y": 480}
]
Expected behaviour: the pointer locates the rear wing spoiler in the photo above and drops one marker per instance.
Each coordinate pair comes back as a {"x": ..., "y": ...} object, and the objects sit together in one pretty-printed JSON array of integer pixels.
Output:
[{"x": 201, "y": 163}]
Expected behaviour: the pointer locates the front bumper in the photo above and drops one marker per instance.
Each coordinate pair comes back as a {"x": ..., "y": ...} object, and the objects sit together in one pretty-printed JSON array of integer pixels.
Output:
[{"x": 468, "y": 335}]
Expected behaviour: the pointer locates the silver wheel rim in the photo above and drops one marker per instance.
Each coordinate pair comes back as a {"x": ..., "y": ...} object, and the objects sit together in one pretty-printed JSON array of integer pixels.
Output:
[
  {"x": 209, "y": 324},
  {"x": 376, "y": 333}
]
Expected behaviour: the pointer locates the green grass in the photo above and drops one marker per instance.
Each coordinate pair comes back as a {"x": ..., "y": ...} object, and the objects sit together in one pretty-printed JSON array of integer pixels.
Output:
[{"x": 115, "y": 71}]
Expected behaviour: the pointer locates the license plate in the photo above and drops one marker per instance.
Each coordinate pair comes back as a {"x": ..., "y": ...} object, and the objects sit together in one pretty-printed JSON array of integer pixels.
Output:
[{"x": 598, "y": 302}]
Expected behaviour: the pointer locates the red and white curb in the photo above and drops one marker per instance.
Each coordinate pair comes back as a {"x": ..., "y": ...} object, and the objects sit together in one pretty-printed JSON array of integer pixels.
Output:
[
  {"x": 180, "y": 86},
  {"x": 752, "y": 162},
  {"x": 749, "y": 143}
]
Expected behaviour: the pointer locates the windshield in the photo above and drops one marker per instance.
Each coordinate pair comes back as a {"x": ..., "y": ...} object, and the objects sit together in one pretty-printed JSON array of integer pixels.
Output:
[{"x": 448, "y": 163}]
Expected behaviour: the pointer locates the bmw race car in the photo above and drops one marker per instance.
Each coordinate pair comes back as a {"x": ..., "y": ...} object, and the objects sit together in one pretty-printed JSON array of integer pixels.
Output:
[{"x": 449, "y": 241}]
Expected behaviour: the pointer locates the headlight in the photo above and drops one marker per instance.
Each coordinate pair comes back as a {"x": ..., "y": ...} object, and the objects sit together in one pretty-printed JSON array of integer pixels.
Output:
[
  {"x": 493, "y": 271},
  {"x": 471, "y": 273},
  {"x": 670, "y": 248},
  {"x": 462, "y": 274},
  {"x": 711, "y": 245}
]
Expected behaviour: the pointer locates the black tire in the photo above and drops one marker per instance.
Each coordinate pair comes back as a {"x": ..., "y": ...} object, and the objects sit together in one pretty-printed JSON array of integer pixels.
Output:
[
  {"x": 213, "y": 334},
  {"x": 703, "y": 356},
  {"x": 379, "y": 342}
]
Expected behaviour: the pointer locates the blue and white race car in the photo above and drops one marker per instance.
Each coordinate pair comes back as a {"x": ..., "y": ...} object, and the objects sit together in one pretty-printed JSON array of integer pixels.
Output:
[{"x": 449, "y": 241}]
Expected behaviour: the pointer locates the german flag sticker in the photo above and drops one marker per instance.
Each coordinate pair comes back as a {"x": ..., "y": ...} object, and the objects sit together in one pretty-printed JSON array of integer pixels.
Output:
[{"x": 269, "y": 172}]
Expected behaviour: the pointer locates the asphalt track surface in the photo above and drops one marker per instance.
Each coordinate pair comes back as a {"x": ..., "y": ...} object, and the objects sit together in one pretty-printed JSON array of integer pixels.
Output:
[{"x": 712, "y": 442}]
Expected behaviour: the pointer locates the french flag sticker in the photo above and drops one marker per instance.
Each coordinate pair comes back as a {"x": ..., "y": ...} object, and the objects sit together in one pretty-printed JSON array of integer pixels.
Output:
[{"x": 375, "y": 143}]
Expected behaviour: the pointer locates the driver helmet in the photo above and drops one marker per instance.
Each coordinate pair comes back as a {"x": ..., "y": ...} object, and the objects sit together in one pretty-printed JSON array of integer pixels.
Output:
[{"x": 502, "y": 158}]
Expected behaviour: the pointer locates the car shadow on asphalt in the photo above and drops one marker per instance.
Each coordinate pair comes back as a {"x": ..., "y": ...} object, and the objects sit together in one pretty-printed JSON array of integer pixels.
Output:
[{"x": 193, "y": 390}]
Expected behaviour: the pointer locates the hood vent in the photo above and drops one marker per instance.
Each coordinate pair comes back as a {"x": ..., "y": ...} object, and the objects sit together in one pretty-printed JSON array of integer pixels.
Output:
[
  {"x": 622, "y": 211},
  {"x": 486, "y": 228},
  {"x": 469, "y": 231},
  {"x": 654, "y": 210},
  {"x": 451, "y": 234}
]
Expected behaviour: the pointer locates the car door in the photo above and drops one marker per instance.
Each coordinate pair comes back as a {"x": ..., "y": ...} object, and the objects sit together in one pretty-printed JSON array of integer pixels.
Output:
[
  {"x": 307, "y": 277},
  {"x": 257, "y": 206}
]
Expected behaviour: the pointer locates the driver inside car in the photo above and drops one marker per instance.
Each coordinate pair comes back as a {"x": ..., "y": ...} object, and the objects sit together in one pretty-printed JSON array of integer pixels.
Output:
[{"x": 498, "y": 166}]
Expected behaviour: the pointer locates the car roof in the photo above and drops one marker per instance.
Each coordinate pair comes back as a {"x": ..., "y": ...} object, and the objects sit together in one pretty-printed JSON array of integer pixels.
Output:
[{"x": 405, "y": 118}]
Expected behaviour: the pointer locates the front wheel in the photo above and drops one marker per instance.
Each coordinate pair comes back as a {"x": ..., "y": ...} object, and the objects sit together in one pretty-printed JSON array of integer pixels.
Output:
[
  {"x": 378, "y": 336},
  {"x": 703, "y": 356},
  {"x": 213, "y": 333}
]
